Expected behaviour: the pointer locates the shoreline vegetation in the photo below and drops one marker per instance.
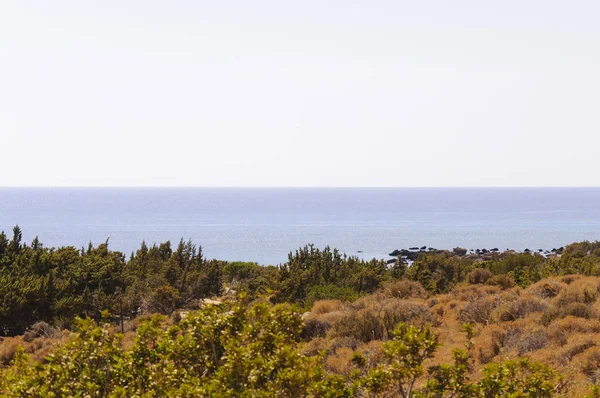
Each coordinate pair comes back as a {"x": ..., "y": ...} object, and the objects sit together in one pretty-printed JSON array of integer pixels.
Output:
[{"x": 166, "y": 321}]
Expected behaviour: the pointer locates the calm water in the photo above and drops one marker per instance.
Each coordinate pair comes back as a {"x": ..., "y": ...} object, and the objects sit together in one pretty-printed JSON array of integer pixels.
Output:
[{"x": 263, "y": 225}]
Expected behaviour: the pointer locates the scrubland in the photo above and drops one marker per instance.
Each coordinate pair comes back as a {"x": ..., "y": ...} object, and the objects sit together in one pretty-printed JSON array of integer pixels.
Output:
[{"x": 169, "y": 322}]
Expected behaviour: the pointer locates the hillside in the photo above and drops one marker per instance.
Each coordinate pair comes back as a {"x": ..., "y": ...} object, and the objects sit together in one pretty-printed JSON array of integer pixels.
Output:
[{"x": 170, "y": 322}]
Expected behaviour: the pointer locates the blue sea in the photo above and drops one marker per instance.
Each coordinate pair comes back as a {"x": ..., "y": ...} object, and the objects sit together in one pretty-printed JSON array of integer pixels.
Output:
[{"x": 264, "y": 224}]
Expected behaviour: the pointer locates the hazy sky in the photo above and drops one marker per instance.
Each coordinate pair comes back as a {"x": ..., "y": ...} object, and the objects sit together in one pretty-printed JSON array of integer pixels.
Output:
[{"x": 300, "y": 93}]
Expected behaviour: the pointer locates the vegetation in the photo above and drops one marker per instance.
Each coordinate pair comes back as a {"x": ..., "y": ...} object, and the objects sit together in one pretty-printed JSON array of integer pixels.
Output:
[{"x": 169, "y": 322}]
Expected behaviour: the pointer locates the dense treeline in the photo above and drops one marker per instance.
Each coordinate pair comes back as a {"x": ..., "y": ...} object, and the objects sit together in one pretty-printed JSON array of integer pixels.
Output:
[{"x": 56, "y": 285}]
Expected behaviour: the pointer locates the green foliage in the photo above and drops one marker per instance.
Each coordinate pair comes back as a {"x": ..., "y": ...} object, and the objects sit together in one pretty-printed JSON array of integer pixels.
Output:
[
  {"x": 57, "y": 285},
  {"x": 519, "y": 378},
  {"x": 238, "y": 350},
  {"x": 251, "y": 277},
  {"x": 438, "y": 273},
  {"x": 327, "y": 274},
  {"x": 330, "y": 292},
  {"x": 404, "y": 357}
]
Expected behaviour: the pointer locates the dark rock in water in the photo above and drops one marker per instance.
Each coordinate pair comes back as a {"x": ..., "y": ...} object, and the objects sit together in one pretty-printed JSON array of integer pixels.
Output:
[
  {"x": 391, "y": 261},
  {"x": 495, "y": 249},
  {"x": 540, "y": 250},
  {"x": 414, "y": 248},
  {"x": 527, "y": 250},
  {"x": 423, "y": 247},
  {"x": 484, "y": 250},
  {"x": 360, "y": 251},
  {"x": 395, "y": 253}
]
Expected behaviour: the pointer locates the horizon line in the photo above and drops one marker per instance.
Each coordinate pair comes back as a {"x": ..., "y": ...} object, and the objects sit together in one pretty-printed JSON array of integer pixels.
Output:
[{"x": 293, "y": 186}]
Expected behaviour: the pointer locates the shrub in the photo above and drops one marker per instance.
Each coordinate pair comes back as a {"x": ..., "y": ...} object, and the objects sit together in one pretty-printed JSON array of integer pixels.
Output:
[
  {"x": 559, "y": 330},
  {"x": 520, "y": 378},
  {"x": 520, "y": 307},
  {"x": 8, "y": 349},
  {"x": 474, "y": 292},
  {"x": 404, "y": 289},
  {"x": 591, "y": 364},
  {"x": 583, "y": 290},
  {"x": 314, "y": 327},
  {"x": 550, "y": 314},
  {"x": 568, "y": 279},
  {"x": 330, "y": 292},
  {"x": 479, "y": 276},
  {"x": 363, "y": 325},
  {"x": 340, "y": 362},
  {"x": 503, "y": 281},
  {"x": 580, "y": 310},
  {"x": 532, "y": 341},
  {"x": 572, "y": 350},
  {"x": 479, "y": 311},
  {"x": 366, "y": 321},
  {"x": 546, "y": 288},
  {"x": 325, "y": 306},
  {"x": 164, "y": 300},
  {"x": 460, "y": 251},
  {"x": 489, "y": 343},
  {"x": 318, "y": 325},
  {"x": 40, "y": 329}
]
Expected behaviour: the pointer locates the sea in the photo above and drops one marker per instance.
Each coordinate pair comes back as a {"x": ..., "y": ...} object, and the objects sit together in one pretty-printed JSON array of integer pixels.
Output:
[{"x": 264, "y": 224}]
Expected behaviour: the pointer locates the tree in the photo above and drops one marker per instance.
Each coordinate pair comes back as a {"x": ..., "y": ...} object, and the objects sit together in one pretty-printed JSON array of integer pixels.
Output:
[{"x": 404, "y": 357}]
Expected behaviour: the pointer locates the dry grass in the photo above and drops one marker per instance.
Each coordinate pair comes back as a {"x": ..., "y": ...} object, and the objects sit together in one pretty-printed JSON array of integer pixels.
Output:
[
  {"x": 546, "y": 288},
  {"x": 370, "y": 319},
  {"x": 8, "y": 348},
  {"x": 404, "y": 289},
  {"x": 325, "y": 306}
]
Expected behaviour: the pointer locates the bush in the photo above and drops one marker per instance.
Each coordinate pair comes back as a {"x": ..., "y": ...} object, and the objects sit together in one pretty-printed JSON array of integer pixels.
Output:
[
  {"x": 325, "y": 306},
  {"x": 532, "y": 341},
  {"x": 580, "y": 310},
  {"x": 474, "y": 292},
  {"x": 317, "y": 326},
  {"x": 164, "y": 300},
  {"x": 40, "y": 329},
  {"x": 404, "y": 289},
  {"x": 489, "y": 343},
  {"x": 503, "y": 281},
  {"x": 518, "y": 308},
  {"x": 330, "y": 292},
  {"x": 559, "y": 330},
  {"x": 8, "y": 349},
  {"x": 366, "y": 321},
  {"x": 479, "y": 276},
  {"x": 591, "y": 364},
  {"x": 583, "y": 290},
  {"x": 460, "y": 251},
  {"x": 479, "y": 311},
  {"x": 546, "y": 288},
  {"x": 572, "y": 350}
]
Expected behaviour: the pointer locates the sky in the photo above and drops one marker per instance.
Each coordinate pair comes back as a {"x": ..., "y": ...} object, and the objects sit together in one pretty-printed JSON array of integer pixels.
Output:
[{"x": 304, "y": 93}]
